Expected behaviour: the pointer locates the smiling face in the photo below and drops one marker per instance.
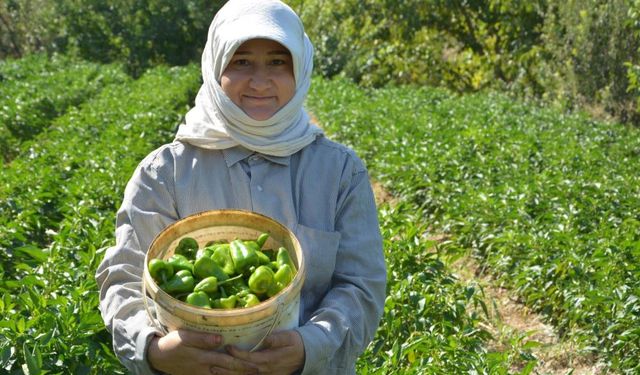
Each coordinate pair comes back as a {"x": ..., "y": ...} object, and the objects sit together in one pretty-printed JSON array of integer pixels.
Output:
[{"x": 259, "y": 78}]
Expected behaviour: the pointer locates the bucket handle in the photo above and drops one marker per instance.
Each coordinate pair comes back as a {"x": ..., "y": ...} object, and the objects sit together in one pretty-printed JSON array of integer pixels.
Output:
[
  {"x": 153, "y": 319},
  {"x": 279, "y": 309},
  {"x": 164, "y": 331}
]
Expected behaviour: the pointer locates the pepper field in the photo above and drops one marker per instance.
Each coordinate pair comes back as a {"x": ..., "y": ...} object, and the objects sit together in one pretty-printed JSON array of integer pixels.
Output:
[{"x": 547, "y": 202}]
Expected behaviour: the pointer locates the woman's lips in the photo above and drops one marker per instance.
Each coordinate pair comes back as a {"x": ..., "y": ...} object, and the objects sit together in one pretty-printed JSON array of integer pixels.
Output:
[{"x": 258, "y": 99}]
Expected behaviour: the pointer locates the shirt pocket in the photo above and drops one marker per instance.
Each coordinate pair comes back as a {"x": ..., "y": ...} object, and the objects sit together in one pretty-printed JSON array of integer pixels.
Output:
[{"x": 320, "y": 249}]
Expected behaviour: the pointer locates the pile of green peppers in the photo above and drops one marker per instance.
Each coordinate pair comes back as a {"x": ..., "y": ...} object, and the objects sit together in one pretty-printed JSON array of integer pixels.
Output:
[{"x": 224, "y": 275}]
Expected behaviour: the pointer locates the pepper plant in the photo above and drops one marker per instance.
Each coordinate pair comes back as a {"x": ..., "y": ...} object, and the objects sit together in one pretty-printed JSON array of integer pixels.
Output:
[{"x": 546, "y": 201}]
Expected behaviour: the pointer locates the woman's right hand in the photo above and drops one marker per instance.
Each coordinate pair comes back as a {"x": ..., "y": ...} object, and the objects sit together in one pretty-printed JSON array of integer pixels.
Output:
[{"x": 194, "y": 353}]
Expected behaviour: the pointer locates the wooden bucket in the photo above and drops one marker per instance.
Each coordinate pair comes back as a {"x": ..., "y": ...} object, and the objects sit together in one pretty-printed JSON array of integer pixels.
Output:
[{"x": 243, "y": 327}]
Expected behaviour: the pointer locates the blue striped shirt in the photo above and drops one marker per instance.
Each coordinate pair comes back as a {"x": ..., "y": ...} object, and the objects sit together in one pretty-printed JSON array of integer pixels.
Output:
[{"x": 322, "y": 193}]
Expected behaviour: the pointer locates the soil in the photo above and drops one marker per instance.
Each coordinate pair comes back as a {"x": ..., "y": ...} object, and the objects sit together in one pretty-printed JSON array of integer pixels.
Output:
[{"x": 511, "y": 323}]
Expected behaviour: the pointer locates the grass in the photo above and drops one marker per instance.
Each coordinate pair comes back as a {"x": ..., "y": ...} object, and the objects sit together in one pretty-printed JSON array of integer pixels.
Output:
[{"x": 547, "y": 201}]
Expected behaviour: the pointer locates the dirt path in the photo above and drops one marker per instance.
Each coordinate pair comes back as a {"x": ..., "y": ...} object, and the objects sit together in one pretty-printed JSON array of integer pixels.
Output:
[{"x": 511, "y": 323}]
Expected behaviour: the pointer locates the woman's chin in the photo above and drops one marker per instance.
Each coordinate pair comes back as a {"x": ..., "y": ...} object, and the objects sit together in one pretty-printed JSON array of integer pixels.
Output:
[{"x": 260, "y": 115}]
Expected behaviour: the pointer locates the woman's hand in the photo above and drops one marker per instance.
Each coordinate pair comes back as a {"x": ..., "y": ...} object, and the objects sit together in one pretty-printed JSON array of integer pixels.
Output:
[
  {"x": 194, "y": 353},
  {"x": 282, "y": 353}
]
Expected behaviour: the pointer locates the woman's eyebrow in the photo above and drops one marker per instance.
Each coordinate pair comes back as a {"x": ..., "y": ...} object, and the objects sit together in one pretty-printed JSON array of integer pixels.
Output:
[
  {"x": 274, "y": 52},
  {"x": 279, "y": 52}
]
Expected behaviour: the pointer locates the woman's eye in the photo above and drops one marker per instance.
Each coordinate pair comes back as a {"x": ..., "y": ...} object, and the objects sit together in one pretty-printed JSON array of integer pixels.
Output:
[
  {"x": 278, "y": 62},
  {"x": 241, "y": 62}
]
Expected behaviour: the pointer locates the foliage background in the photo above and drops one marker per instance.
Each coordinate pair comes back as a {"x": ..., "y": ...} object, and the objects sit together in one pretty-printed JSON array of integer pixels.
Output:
[
  {"x": 570, "y": 53},
  {"x": 140, "y": 33},
  {"x": 565, "y": 54}
]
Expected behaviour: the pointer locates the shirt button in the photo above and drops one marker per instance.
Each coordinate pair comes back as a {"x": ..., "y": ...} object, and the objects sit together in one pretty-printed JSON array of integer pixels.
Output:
[{"x": 259, "y": 188}]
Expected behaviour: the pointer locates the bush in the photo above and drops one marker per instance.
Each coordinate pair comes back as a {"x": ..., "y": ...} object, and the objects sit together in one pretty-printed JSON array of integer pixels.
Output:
[
  {"x": 547, "y": 201},
  {"x": 461, "y": 45},
  {"x": 36, "y": 89},
  {"x": 588, "y": 47},
  {"x": 574, "y": 54},
  {"x": 141, "y": 33},
  {"x": 29, "y": 26},
  {"x": 57, "y": 206}
]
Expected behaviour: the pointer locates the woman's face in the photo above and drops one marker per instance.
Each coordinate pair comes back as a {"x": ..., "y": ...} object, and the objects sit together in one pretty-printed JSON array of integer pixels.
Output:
[{"x": 259, "y": 78}]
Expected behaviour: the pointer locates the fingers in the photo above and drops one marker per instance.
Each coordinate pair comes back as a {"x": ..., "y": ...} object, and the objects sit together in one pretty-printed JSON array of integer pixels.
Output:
[
  {"x": 279, "y": 339},
  {"x": 193, "y": 353},
  {"x": 226, "y": 364},
  {"x": 237, "y": 353},
  {"x": 283, "y": 353},
  {"x": 200, "y": 340}
]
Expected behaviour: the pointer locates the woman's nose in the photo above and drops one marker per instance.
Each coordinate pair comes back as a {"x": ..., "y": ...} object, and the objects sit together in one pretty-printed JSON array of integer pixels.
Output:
[{"x": 260, "y": 79}]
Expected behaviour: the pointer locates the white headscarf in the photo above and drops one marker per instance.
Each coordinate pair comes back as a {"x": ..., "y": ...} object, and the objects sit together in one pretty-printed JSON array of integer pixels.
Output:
[{"x": 215, "y": 122}]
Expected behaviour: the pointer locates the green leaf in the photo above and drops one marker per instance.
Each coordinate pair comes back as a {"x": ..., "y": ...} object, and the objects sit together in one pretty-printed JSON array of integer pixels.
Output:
[
  {"x": 528, "y": 368},
  {"x": 35, "y": 252},
  {"x": 531, "y": 345},
  {"x": 21, "y": 325},
  {"x": 33, "y": 360}
]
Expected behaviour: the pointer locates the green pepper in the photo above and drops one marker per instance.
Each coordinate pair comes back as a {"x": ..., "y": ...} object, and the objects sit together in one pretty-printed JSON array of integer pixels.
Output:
[
  {"x": 199, "y": 298},
  {"x": 225, "y": 303},
  {"x": 261, "y": 279},
  {"x": 187, "y": 246},
  {"x": 284, "y": 275},
  {"x": 204, "y": 252},
  {"x": 222, "y": 256},
  {"x": 213, "y": 243},
  {"x": 160, "y": 270},
  {"x": 205, "y": 267},
  {"x": 215, "y": 303},
  {"x": 180, "y": 262},
  {"x": 214, "y": 295},
  {"x": 252, "y": 244},
  {"x": 181, "y": 282},
  {"x": 262, "y": 258},
  {"x": 262, "y": 238},
  {"x": 243, "y": 255},
  {"x": 283, "y": 258},
  {"x": 207, "y": 285},
  {"x": 281, "y": 278},
  {"x": 236, "y": 286},
  {"x": 249, "y": 300},
  {"x": 273, "y": 265},
  {"x": 274, "y": 289}
]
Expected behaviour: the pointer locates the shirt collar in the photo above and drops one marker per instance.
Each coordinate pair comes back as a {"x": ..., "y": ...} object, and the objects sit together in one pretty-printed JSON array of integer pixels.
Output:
[{"x": 235, "y": 154}]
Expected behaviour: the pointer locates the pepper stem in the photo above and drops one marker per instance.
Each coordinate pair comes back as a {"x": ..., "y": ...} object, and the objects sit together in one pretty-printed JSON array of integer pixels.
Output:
[{"x": 230, "y": 279}]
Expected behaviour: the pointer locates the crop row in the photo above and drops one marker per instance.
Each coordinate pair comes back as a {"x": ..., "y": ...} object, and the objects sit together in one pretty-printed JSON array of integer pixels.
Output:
[
  {"x": 39, "y": 88},
  {"x": 432, "y": 322},
  {"x": 547, "y": 201},
  {"x": 58, "y": 206},
  {"x": 61, "y": 195}
]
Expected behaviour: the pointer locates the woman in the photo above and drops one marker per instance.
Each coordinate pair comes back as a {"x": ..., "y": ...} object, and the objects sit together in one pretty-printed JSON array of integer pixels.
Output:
[{"x": 248, "y": 144}]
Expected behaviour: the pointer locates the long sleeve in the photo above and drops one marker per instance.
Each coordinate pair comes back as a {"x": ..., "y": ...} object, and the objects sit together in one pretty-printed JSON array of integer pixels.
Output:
[
  {"x": 146, "y": 209},
  {"x": 328, "y": 204},
  {"x": 347, "y": 317}
]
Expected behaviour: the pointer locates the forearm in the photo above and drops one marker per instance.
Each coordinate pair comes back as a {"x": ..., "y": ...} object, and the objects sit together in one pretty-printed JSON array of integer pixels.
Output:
[
  {"x": 347, "y": 317},
  {"x": 342, "y": 327},
  {"x": 124, "y": 314},
  {"x": 145, "y": 211}
]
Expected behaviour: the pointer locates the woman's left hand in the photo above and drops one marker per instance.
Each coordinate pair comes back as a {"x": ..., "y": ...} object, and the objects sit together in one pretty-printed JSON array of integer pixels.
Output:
[{"x": 282, "y": 353}]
